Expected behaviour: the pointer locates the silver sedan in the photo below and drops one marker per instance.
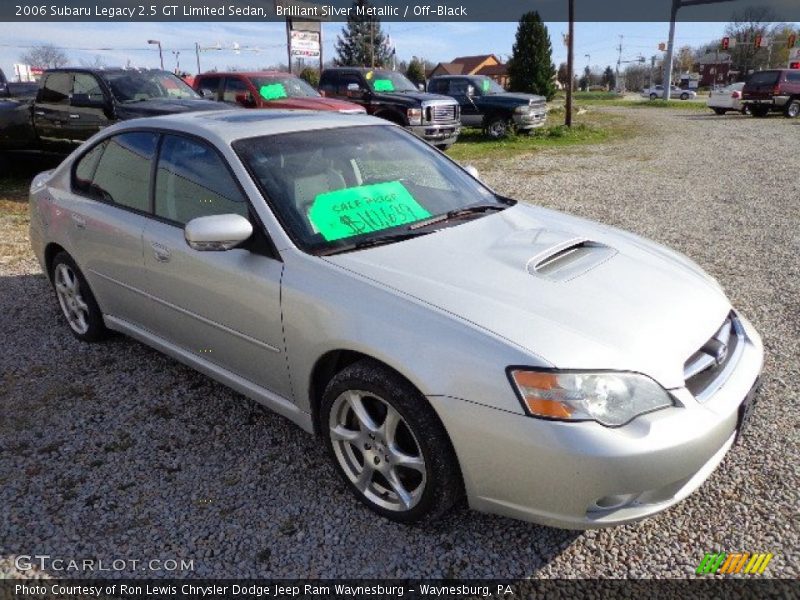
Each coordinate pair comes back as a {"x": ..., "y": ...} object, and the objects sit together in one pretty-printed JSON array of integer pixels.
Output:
[{"x": 444, "y": 342}]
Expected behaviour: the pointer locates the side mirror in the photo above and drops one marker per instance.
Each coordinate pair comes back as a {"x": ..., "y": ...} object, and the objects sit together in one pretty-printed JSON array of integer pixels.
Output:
[
  {"x": 206, "y": 93},
  {"x": 217, "y": 232},
  {"x": 86, "y": 101},
  {"x": 473, "y": 171},
  {"x": 421, "y": 87},
  {"x": 470, "y": 90},
  {"x": 355, "y": 91},
  {"x": 245, "y": 99}
]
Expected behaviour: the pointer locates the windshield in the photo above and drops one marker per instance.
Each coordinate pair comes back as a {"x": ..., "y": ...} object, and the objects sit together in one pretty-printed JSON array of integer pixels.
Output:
[
  {"x": 389, "y": 81},
  {"x": 334, "y": 188},
  {"x": 137, "y": 86},
  {"x": 275, "y": 88},
  {"x": 489, "y": 87}
]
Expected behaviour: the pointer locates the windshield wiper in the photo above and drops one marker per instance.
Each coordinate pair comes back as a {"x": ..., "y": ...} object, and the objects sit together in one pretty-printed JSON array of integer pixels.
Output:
[
  {"x": 456, "y": 214},
  {"x": 380, "y": 240}
]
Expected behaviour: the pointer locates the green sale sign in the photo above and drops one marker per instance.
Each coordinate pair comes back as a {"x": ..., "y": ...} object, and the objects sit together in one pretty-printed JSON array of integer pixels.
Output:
[{"x": 364, "y": 209}]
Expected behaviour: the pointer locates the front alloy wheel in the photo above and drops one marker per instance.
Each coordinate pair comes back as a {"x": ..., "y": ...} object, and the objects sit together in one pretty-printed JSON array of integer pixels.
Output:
[
  {"x": 388, "y": 444},
  {"x": 793, "y": 109},
  {"x": 498, "y": 127},
  {"x": 376, "y": 450}
]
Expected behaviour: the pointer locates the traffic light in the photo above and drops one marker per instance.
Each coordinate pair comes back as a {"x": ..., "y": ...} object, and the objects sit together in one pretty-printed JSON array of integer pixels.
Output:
[
  {"x": 726, "y": 43},
  {"x": 794, "y": 65}
]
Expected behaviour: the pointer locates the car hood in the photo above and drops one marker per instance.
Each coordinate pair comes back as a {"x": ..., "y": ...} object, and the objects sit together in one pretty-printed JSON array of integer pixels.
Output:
[
  {"x": 418, "y": 96},
  {"x": 576, "y": 294},
  {"x": 166, "y": 106},
  {"x": 316, "y": 103},
  {"x": 515, "y": 99}
]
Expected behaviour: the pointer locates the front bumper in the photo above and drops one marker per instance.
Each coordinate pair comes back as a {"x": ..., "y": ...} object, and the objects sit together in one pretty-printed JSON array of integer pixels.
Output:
[
  {"x": 530, "y": 120},
  {"x": 437, "y": 133},
  {"x": 584, "y": 475}
]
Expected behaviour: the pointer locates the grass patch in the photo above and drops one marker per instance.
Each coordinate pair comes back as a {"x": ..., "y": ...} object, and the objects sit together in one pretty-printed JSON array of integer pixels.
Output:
[{"x": 590, "y": 129}]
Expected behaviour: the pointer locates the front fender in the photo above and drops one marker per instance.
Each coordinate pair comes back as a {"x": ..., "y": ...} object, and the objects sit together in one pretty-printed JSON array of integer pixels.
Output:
[{"x": 326, "y": 308}]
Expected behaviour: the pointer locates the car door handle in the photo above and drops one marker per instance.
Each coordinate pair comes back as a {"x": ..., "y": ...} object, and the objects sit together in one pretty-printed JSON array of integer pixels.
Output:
[
  {"x": 79, "y": 221},
  {"x": 161, "y": 253},
  {"x": 74, "y": 116}
]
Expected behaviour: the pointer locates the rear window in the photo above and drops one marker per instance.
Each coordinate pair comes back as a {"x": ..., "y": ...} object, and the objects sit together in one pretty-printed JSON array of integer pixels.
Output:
[{"x": 764, "y": 78}]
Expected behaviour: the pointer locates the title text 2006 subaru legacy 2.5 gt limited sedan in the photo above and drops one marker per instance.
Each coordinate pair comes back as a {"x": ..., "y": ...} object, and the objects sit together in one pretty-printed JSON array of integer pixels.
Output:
[{"x": 442, "y": 340}]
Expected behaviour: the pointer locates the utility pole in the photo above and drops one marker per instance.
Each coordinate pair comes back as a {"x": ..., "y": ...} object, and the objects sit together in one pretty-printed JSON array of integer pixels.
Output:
[
  {"x": 619, "y": 62},
  {"x": 676, "y": 4},
  {"x": 197, "y": 55},
  {"x": 588, "y": 58},
  {"x": 570, "y": 65}
]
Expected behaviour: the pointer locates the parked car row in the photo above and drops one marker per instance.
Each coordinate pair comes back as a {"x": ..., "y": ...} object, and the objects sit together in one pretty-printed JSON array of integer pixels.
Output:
[
  {"x": 69, "y": 105},
  {"x": 774, "y": 90}
]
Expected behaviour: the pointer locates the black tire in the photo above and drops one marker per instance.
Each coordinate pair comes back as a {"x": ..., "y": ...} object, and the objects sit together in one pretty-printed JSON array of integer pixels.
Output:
[
  {"x": 746, "y": 109},
  {"x": 497, "y": 127},
  {"x": 719, "y": 111},
  {"x": 442, "y": 483},
  {"x": 792, "y": 110},
  {"x": 759, "y": 111},
  {"x": 684, "y": 96},
  {"x": 653, "y": 95},
  {"x": 444, "y": 147},
  {"x": 95, "y": 328}
]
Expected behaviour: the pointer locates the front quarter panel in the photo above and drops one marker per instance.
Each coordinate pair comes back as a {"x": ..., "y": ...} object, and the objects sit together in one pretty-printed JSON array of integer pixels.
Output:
[{"x": 327, "y": 308}]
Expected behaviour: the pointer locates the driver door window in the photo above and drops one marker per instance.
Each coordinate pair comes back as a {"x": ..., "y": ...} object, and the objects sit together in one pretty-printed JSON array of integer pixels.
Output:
[
  {"x": 233, "y": 86},
  {"x": 193, "y": 181}
]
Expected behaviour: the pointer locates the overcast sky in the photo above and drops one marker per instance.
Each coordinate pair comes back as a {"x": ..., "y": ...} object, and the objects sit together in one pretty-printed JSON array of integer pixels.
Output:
[{"x": 118, "y": 43}]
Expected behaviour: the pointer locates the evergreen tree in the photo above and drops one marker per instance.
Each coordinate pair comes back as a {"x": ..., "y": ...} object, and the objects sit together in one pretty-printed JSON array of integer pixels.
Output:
[
  {"x": 416, "y": 71},
  {"x": 531, "y": 68},
  {"x": 609, "y": 78},
  {"x": 362, "y": 43}
]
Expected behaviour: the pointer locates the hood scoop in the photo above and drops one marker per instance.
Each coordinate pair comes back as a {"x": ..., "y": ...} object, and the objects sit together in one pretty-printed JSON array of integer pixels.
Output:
[{"x": 569, "y": 259}]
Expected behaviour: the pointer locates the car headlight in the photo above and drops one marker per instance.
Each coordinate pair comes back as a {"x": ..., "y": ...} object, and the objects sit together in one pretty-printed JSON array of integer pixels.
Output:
[
  {"x": 521, "y": 110},
  {"x": 414, "y": 116},
  {"x": 610, "y": 398}
]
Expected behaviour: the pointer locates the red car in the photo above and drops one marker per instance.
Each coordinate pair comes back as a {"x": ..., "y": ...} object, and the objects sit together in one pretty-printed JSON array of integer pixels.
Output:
[{"x": 268, "y": 89}]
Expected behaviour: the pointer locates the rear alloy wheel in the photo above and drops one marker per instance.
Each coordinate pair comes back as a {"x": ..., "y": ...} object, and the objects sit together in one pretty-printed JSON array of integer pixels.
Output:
[
  {"x": 76, "y": 300},
  {"x": 746, "y": 109},
  {"x": 497, "y": 127},
  {"x": 793, "y": 109},
  {"x": 388, "y": 444}
]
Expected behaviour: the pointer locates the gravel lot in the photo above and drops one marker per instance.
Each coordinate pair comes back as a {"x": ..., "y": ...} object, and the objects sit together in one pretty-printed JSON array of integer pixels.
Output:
[{"x": 115, "y": 451}]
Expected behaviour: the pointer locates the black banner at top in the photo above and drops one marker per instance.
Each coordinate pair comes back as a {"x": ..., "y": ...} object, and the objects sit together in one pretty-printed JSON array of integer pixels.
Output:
[{"x": 394, "y": 10}]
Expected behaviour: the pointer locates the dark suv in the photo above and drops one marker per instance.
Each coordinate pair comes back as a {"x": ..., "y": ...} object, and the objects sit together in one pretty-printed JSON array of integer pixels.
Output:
[
  {"x": 775, "y": 90},
  {"x": 391, "y": 96},
  {"x": 484, "y": 103}
]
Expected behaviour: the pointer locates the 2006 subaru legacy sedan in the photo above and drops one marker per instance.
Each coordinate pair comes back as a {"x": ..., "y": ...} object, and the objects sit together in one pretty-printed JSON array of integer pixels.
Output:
[{"x": 442, "y": 340}]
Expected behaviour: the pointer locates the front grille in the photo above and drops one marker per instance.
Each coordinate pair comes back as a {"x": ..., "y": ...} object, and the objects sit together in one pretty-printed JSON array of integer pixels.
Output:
[
  {"x": 441, "y": 113},
  {"x": 705, "y": 370}
]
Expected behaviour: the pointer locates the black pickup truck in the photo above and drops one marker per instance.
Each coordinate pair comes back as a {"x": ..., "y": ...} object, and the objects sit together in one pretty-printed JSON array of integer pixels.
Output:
[
  {"x": 484, "y": 103},
  {"x": 71, "y": 105},
  {"x": 391, "y": 96}
]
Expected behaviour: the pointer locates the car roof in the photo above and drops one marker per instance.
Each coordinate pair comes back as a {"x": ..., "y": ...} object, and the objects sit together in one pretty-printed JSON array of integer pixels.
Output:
[
  {"x": 225, "y": 127},
  {"x": 247, "y": 74}
]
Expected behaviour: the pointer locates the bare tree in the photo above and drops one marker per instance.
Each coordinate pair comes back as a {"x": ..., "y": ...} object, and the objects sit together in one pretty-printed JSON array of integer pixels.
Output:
[
  {"x": 637, "y": 76},
  {"x": 98, "y": 62},
  {"x": 46, "y": 56},
  {"x": 746, "y": 25},
  {"x": 685, "y": 59}
]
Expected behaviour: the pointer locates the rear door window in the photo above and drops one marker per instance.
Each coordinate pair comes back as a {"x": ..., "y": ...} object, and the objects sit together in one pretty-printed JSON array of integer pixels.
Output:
[
  {"x": 122, "y": 175},
  {"x": 193, "y": 181},
  {"x": 793, "y": 76}
]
